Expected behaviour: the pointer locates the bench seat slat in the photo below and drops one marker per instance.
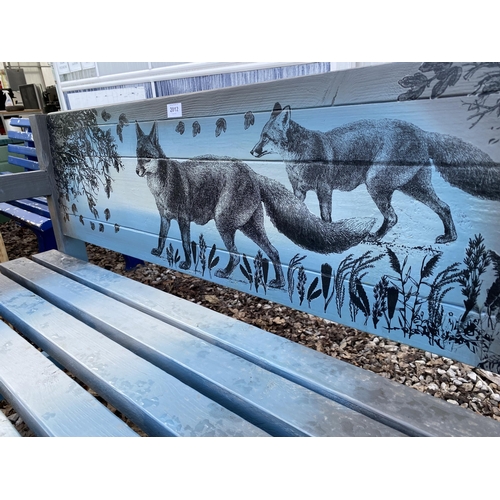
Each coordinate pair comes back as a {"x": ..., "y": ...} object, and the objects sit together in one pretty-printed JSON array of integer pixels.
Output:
[
  {"x": 24, "y": 216},
  {"x": 55, "y": 405},
  {"x": 32, "y": 205},
  {"x": 254, "y": 393},
  {"x": 154, "y": 400},
  {"x": 395, "y": 404}
]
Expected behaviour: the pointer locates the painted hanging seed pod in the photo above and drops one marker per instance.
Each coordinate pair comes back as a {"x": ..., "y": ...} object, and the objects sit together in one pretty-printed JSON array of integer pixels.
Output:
[
  {"x": 180, "y": 128},
  {"x": 249, "y": 120},
  {"x": 196, "y": 129},
  {"x": 220, "y": 126}
]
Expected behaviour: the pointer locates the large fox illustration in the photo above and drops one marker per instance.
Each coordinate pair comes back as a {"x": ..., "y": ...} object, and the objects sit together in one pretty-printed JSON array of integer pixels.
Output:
[
  {"x": 229, "y": 192},
  {"x": 386, "y": 155}
]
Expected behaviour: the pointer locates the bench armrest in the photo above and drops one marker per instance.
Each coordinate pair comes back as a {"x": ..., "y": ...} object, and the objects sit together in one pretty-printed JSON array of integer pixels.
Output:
[{"x": 24, "y": 185}]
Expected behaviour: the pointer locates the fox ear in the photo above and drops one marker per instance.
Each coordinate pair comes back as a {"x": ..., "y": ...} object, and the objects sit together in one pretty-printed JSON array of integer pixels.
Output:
[
  {"x": 153, "y": 135},
  {"x": 276, "y": 109},
  {"x": 286, "y": 115},
  {"x": 140, "y": 133}
]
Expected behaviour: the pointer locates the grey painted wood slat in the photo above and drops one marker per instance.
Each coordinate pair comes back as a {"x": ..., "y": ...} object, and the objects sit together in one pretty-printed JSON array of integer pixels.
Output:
[
  {"x": 355, "y": 86},
  {"x": 403, "y": 407},
  {"x": 157, "y": 402},
  {"x": 24, "y": 185},
  {"x": 48, "y": 400},
  {"x": 6, "y": 427},
  {"x": 279, "y": 406}
]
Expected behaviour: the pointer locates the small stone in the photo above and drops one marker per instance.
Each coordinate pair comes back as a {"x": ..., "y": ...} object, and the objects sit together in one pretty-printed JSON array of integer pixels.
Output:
[
  {"x": 472, "y": 376},
  {"x": 467, "y": 387},
  {"x": 452, "y": 401}
]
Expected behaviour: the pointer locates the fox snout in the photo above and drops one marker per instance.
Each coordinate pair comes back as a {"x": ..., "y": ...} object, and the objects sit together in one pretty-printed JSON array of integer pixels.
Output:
[
  {"x": 257, "y": 150},
  {"x": 140, "y": 170}
]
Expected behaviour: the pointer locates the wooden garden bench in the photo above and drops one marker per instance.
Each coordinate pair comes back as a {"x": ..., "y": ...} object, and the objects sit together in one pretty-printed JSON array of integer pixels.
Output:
[{"x": 183, "y": 182}]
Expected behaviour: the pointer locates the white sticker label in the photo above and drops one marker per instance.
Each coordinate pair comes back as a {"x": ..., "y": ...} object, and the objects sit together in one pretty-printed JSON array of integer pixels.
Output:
[{"x": 174, "y": 110}]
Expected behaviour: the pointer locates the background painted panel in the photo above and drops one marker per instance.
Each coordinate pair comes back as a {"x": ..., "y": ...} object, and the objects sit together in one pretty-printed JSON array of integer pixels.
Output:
[{"x": 404, "y": 286}]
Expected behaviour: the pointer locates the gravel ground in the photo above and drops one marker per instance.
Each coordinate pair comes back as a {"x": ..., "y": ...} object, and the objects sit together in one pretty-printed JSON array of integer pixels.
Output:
[{"x": 457, "y": 383}]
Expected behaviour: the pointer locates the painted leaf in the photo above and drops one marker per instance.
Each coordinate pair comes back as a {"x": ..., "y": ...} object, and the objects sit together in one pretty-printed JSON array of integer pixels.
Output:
[
  {"x": 196, "y": 128},
  {"x": 392, "y": 300},
  {"x": 180, "y": 128},
  {"x": 310, "y": 290},
  {"x": 429, "y": 267},
  {"x": 220, "y": 126},
  {"x": 211, "y": 256},
  {"x": 249, "y": 119},
  {"x": 394, "y": 261},
  {"x": 326, "y": 277}
]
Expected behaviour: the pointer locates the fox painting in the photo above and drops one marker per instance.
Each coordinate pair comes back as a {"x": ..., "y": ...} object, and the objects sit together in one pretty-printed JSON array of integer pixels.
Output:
[
  {"x": 386, "y": 155},
  {"x": 229, "y": 192}
]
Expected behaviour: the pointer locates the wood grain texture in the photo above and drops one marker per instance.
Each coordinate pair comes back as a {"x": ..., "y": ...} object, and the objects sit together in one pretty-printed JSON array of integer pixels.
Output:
[
  {"x": 24, "y": 185},
  {"x": 355, "y": 86},
  {"x": 422, "y": 230},
  {"x": 277, "y": 405},
  {"x": 55, "y": 405},
  {"x": 154, "y": 400},
  {"x": 401, "y": 407}
]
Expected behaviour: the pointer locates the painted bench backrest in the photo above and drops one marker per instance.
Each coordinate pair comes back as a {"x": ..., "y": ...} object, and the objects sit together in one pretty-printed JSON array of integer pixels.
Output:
[{"x": 402, "y": 158}]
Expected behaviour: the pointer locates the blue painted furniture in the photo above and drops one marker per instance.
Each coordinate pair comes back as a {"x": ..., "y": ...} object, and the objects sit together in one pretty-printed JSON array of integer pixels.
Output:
[
  {"x": 220, "y": 190},
  {"x": 34, "y": 213}
]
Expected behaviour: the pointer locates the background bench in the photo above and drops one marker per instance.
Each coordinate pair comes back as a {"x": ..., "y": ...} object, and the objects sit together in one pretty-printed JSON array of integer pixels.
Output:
[
  {"x": 31, "y": 213},
  {"x": 174, "y": 368}
]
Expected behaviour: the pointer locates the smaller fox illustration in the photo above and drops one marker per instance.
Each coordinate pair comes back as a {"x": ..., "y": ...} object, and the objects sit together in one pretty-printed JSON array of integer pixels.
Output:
[
  {"x": 229, "y": 192},
  {"x": 386, "y": 155}
]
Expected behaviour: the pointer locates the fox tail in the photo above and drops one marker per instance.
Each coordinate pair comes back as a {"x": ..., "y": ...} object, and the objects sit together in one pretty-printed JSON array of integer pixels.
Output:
[
  {"x": 293, "y": 219},
  {"x": 465, "y": 166}
]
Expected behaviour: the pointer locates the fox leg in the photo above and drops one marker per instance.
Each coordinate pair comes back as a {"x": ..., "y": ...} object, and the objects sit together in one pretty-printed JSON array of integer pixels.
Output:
[
  {"x": 255, "y": 230},
  {"x": 227, "y": 236},
  {"x": 420, "y": 188},
  {"x": 184, "y": 227},
  {"x": 325, "y": 202},
  {"x": 162, "y": 236},
  {"x": 383, "y": 200}
]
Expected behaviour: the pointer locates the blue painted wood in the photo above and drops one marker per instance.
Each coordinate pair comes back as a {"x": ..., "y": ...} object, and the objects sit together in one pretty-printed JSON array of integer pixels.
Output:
[
  {"x": 383, "y": 400},
  {"x": 151, "y": 398},
  {"x": 24, "y": 162},
  {"x": 29, "y": 216},
  {"x": 20, "y": 122},
  {"x": 54, "y": 405},
  {"x": 23, "y": 150},
  {"x": 249, "y": 179},
  {"x": 23, "y": 216},
  {"x": 360, "y": 285},
  {"x": 35, "y": 205},
  {"x": 275, "y": 404},
  {"x": 24, "y": 136}
]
